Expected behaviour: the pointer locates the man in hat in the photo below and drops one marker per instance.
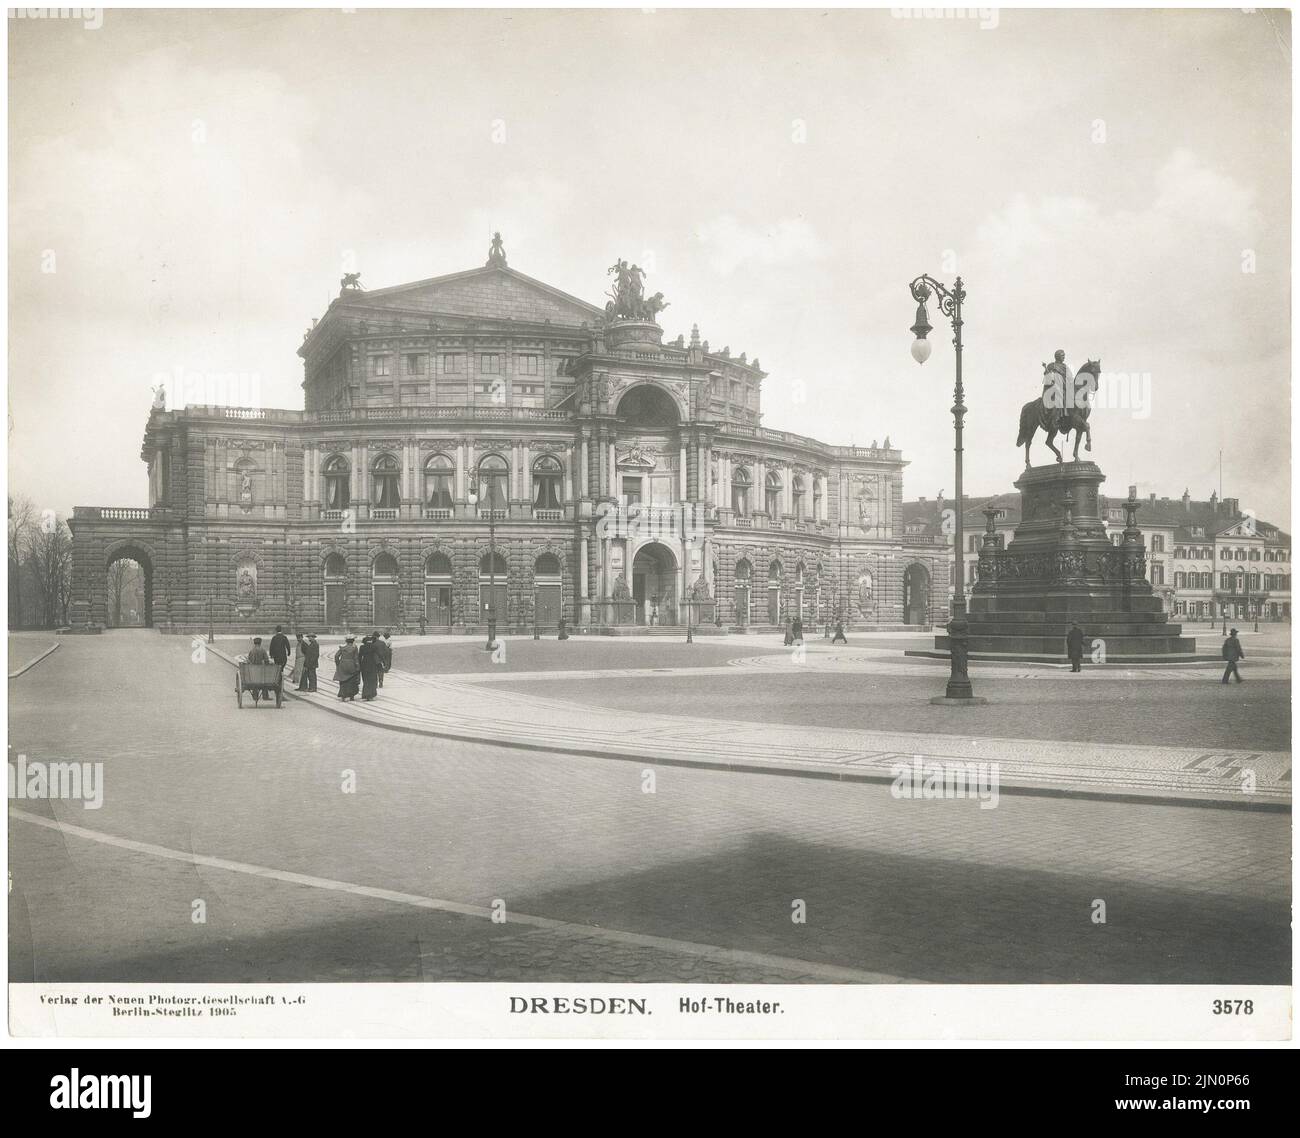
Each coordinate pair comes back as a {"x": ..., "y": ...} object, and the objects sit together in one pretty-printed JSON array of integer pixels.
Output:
[
  {"x": 385, "y": 656},
  {"x": 311, "y": 658},
  {"x": 1074, "y": 647},
  {"x": 280, "y": 647},
  {"x": 1232, "y": 653},
  {"x": 257, "y": 655}
]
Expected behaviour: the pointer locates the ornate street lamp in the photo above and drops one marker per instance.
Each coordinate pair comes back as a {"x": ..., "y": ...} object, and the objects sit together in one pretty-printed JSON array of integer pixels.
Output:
[
  {"x": 492, "y": 565},
  {"x": 950, "y": 300}
]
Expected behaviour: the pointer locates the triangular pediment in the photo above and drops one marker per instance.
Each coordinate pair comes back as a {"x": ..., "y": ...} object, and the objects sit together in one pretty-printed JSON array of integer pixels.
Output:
[{"x": 491, "y": 293}]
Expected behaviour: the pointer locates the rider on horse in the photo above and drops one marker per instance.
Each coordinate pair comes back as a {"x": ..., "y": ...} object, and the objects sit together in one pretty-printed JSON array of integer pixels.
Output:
[{"x": 1058, "y": 390}]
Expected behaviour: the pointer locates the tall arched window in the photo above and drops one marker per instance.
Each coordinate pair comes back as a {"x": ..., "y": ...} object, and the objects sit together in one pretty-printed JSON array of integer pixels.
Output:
[
  {"x": 744, "y": 573},
  {"x": 548, "y": 592},
  {"x": 437, "y": 590},
  {"x": 438, "y": 483},
  {"x": 772, "y": 495},
  {"x": 338, "y": 493},
  {"x": 385, "y": 589},
  {"x": 336, "y": 586},
  {"x": 741, "y": 483},
  {"x": 492, "y": 474},
  {"x": 385, "y": 494},
  {"x": 774, "y": 593},
  {"x": 493, "y": 585},
  {"x": 817, "y": 499},
  {"x": 797, "y": 491},
  {"x": 546, "y": 483}
]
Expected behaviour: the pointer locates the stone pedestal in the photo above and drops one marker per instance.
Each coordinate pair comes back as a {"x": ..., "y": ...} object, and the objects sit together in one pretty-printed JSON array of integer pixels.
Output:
[{"x": 1060, "y": 568}]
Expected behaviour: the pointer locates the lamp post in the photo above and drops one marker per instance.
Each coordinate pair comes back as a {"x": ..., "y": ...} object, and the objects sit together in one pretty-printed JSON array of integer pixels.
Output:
[
  {"x": 492, "y": 566},
  {"x": 950, "y": 301},
  {"x": 212, "y": 639}
]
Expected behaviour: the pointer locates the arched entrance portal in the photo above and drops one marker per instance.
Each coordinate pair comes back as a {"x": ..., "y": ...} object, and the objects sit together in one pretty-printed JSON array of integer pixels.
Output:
[
  {"x": 916, "y": 595},
  {"x": 128, "y": 588},
  {"x": 655, "y": 585}
]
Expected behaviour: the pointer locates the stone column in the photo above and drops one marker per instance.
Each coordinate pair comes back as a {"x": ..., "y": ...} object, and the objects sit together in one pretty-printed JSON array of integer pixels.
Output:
[
  {"x": 681, "y": 476},
  {"x": 613, "y": 470}
]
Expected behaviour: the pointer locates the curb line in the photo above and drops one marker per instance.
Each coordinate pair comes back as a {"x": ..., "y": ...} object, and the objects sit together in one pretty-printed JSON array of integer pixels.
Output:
[
  {"x": 27, "y": 667},
  {"x": 1132, "y": 797}
]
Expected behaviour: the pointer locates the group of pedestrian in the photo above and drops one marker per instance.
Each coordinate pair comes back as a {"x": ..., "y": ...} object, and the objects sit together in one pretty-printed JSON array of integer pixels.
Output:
[
  {"x": 360, "y": 668},
  {"x": 793, "y": 632}
]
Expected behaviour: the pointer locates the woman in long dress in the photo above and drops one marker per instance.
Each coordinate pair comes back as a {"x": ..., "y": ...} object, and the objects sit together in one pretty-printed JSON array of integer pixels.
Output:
[
  {"x": 369, "y": 668},
  {"x": 347, "y": 669}
]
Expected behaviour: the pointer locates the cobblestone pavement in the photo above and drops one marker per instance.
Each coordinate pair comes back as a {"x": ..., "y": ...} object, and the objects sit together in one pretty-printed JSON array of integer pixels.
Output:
[{"x": 248, "y": 811}]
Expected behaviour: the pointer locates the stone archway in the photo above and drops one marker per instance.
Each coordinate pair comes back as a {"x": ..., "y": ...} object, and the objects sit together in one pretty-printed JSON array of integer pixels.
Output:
[
  {"x": 655, "y": 584},
  {"x": 129, "y": 551},
  {"x": 916, "y": 594}
]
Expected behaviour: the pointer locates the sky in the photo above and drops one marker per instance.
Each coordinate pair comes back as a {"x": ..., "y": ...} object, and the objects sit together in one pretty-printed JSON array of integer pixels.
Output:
[{"x": 186, "y": 189}]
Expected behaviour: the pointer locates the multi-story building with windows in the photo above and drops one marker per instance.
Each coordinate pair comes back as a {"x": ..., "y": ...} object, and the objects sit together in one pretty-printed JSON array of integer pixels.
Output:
[{"x": 483, "y": 444}]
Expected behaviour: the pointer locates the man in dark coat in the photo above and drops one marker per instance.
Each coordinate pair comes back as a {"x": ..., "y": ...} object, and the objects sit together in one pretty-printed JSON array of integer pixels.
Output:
[
  {"x": 310, "y": 660},
  {"x": 1232, "y": 653},
  {"x": 1074, "y": 647},
  {"x": 280, "y": 647},
  {"x": 796, "y": 630},
  {"x": 839, "y": 636},
  {"x": 385, "y": 656}
]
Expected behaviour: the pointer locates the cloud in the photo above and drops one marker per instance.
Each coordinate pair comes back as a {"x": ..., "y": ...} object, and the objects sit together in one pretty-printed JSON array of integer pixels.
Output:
[{"x": 730, "y": 243}]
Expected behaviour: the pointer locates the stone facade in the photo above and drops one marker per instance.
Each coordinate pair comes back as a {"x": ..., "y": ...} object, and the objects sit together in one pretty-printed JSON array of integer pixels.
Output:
[{"x": 613, "y": 474}]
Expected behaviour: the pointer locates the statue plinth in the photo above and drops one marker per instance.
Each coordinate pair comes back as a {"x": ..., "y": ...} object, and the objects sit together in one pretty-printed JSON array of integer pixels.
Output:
[
  {"x": 1060, "y": 568},
  {"x": 632, "y": 334}
]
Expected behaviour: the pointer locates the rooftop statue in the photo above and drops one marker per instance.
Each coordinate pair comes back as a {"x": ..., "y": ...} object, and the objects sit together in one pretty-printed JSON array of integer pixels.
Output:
[
  {"x": 497, "y": 252},
  {"x": 627, "y": 298},
  {"x": 352, "y": 282}
]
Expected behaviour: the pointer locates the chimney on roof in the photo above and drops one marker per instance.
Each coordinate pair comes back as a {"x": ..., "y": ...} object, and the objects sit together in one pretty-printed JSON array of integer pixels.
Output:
[
  {"x": 1214, "y": 502},
  {"x": 1153, "y": 497},
  {"x": 1187, "y": 499}
]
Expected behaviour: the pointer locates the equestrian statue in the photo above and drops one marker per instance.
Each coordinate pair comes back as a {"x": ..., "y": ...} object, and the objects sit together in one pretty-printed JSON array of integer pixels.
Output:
[{"x": 1064, "y": 406}]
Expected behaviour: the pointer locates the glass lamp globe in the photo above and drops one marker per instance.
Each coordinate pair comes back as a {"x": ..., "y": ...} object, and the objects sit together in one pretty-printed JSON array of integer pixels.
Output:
[{"x": 920, "y": 350}]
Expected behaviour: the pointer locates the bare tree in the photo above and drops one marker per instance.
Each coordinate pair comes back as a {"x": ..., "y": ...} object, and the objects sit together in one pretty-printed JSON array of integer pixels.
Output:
[
  {"x": 49, "y": 560},
  {"x": 22, "y": 525},
  {"x": 125, "y": 588}
]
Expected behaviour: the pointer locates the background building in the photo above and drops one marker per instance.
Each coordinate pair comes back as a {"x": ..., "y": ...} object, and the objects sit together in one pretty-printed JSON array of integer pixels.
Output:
[
  {"x": 1207, "y": 559},
  {"x": 483, "y": 442}
]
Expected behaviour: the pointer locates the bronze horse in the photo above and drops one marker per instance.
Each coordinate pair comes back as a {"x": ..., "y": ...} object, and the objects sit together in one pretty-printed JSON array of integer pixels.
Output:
[{"x": 1054, "y": 421}]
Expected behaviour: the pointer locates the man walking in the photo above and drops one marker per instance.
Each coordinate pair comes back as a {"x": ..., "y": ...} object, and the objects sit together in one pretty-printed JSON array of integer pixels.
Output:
[
  {"x": 839, "y": 637},
  {"x": 1232, "y": 653},
  {"x": 385, "y": 656},
  {"x": 1074, "y": 647},
  {"x": 280, "y": 647},
  {"x": 311, "y": 658}
]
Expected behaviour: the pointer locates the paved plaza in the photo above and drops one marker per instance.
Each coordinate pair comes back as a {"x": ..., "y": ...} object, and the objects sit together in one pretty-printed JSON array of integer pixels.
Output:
[{"x": 376, "y": 842}]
